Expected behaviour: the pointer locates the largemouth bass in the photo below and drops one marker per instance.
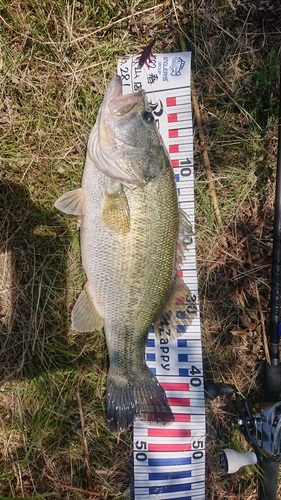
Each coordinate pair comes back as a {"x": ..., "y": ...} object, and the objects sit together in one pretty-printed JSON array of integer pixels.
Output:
[{"x": 132, "y": 241}]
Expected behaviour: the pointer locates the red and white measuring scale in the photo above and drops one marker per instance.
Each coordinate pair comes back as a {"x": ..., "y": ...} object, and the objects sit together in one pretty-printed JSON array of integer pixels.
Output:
[{"x": 169, "y": 461}]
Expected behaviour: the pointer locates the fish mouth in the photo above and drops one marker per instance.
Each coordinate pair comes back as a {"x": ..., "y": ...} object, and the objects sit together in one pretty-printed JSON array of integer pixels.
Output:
[
  {"x": 120, "y": 105},
  {"x": 112, "y": 139}
]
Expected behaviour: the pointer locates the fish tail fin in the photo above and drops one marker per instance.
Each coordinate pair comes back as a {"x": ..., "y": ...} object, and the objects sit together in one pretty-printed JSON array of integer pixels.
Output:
[
  {"x": 144, "y": 399},
  {"x": 153, "y": 405},
  {"x": 120, "y": 404}
]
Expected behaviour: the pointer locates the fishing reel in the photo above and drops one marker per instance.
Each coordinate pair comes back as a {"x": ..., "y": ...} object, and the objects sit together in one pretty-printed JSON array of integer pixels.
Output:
[{"x": 261, "y": 427}]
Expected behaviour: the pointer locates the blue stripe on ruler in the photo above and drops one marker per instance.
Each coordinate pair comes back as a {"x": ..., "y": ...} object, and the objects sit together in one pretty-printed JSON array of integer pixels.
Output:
[
  {"x": 182, "y": 358},
  {"x": 169, "y": 489},
  {"x": 182, "y": 343},
  {"x": 181, "y": 328},
  {"x": 193, "y": 497},
  {"x": 150, "y": 343},
  {"x": 150, "y": 357},
  {"x": 177, "y": 177},
  {"x": 183, "y": 372},
  {"x": 169, "y": 461},
  {"x": 154, "y": 476},
  {"x": 186, "y": 498},
  {"x": 180, "y": 314}
]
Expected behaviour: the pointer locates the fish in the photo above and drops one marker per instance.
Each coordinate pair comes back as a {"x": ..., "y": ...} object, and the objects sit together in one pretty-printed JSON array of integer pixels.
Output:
[{"x": 133, "y": 238}]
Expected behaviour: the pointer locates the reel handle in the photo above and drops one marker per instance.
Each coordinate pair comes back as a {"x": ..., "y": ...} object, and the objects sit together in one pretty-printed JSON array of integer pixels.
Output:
[{"x": 231, "y": 460}]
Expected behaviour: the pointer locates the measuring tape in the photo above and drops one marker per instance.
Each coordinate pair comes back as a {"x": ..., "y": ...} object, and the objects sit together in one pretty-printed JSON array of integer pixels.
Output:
[{"x": 169, "y": 461}]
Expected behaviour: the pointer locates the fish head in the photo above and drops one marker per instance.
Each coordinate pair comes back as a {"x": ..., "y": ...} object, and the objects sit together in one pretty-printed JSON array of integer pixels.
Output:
[{"x": 125, "y": 143}]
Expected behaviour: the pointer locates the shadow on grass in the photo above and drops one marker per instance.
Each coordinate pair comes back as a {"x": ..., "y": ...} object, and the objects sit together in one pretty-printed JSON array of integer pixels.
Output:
[
  {"x": 33, "y": 287},
  {"x": 64, "y": 380}
]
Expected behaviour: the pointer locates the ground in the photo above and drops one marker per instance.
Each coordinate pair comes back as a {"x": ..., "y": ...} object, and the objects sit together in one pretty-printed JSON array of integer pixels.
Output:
[{"x": 56, "y": 60}]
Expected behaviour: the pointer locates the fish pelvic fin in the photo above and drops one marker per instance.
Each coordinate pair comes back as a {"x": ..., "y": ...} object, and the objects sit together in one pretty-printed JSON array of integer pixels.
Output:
[
  {"x": 71, "y": 202},
  {"x": 115, "y": 211},
  {"x": 85, "y": 317},
  {"x": 143, "y": 398}
]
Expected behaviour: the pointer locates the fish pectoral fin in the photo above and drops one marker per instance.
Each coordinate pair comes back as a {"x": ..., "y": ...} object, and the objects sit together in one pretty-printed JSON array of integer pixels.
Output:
[
  {"x": 179, "y": 311},
  {"x": 71, "y": 202},
  {"x": 115, "y": 210},
  {"x": 85, "y": 317}
]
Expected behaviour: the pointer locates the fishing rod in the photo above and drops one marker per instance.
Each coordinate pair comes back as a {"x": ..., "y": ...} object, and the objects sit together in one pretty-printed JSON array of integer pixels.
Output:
[
  {"x": 272, "y": 375},
  {"x": 261, "y": 425}
]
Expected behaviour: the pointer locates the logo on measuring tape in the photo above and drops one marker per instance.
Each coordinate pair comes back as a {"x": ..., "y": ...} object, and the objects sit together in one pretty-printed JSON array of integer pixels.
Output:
[{"x": 176, "y": 66}]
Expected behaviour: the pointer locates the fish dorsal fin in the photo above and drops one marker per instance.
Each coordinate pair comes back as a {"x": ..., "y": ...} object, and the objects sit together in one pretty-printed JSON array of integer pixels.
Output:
[
  {"x": 85, "y": 317},
  {"x": 181, "y": 306},
  {"x": 185, "y": 237},
  {"x": 180, "y": 309},
  {"x": 71, "y": 202},
  {"x": 115, "y": 210}
]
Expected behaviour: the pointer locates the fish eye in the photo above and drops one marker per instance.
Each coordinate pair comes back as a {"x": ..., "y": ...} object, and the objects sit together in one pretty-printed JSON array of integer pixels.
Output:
[{"x": 148, "y": 117}]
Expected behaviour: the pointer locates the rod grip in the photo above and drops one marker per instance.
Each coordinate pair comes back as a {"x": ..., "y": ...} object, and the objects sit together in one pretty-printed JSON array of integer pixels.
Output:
[
  {"x": 269, "y": 483},
  {"x": 272, "y": 383}
]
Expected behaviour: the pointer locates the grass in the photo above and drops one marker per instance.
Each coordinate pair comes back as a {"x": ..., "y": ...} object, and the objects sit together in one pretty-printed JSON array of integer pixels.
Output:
[{"x": 56, "y": 59}]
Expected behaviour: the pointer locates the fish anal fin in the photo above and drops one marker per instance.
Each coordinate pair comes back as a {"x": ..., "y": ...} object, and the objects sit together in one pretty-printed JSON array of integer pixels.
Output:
[
  {"x": 115, "y": 211},
  {"x": 85, "y": 317},
  {"x": 71, "y": 202},
  {"x": 180, "y": 310}
]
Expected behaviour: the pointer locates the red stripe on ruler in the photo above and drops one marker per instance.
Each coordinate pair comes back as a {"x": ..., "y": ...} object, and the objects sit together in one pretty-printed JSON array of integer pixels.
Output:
[
  {"x": 175, "y": 163},
  {"x": 180, "y": 301},
  {"x": 171, "y": 101},
  {"x": 182, "y": 417},
  {"x": 168, "y": 447},
  {"x": 171, "y": 386},
  {"x": 173, "y": 133},
  {"x": 169, "y": 432},
  {"x": 173, "y": 117},
  {"x": 179, "y": 401},
  {"x": 174, "y": 148}
]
